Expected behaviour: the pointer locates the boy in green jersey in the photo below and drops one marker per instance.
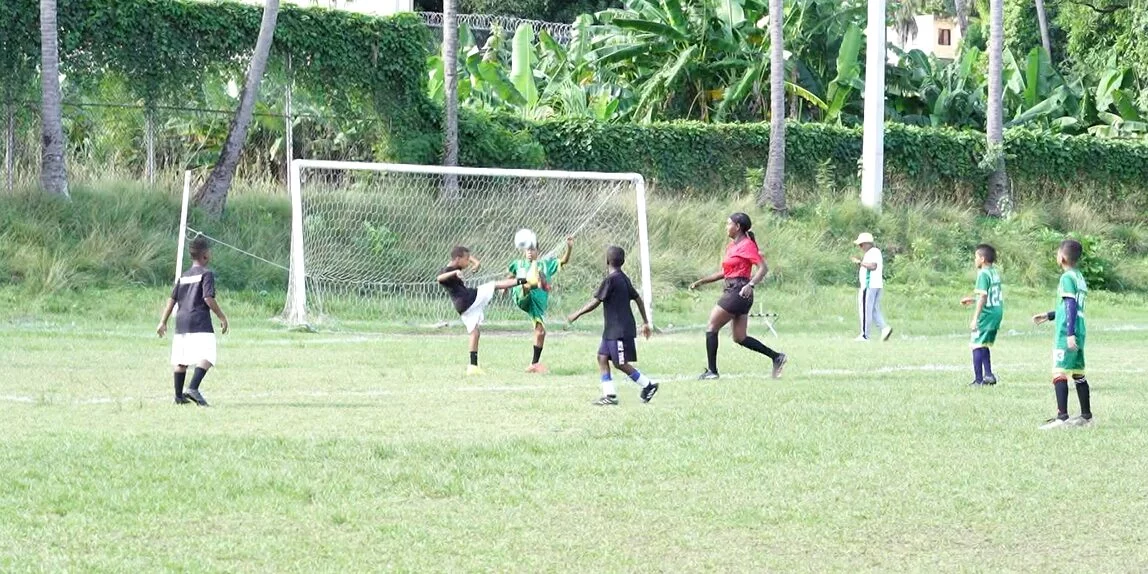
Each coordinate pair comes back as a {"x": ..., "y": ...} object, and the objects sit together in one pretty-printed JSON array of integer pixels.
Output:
[
  {"x": 1068, "y": 351},
  {"x": 987, "y": 315},
  {"x": 533, "y": 296}
]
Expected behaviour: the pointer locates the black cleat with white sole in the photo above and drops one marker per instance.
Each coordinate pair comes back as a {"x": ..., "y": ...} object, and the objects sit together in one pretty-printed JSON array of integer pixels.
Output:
[{"x": 648, "y": 392}]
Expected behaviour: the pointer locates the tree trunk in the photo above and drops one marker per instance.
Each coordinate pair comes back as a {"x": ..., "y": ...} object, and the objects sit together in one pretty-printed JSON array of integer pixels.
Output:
[
  {"x": 1042, "y": 19},
  {"x": 997, "y": 197},
  {"x": 53, "y": 173},
  {"x": 773, "y": 191},
  {"x": 450, "y": 95},
  {"x": 962, "y": 7},
  {"x": 212, "y": 197}
]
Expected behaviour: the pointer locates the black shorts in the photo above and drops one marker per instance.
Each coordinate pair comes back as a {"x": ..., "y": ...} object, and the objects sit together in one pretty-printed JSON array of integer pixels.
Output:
[
  {"x": 621, "y": 351},
  {"x": 732, "y": 301}
]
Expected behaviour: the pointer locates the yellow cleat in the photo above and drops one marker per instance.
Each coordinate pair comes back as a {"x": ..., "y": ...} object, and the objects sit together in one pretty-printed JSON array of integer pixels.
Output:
[{"x": 474, "y": 371}]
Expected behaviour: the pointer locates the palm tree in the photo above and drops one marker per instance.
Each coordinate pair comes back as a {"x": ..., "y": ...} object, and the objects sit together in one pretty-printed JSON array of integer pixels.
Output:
[
  {"x": 905, "y": 20},
  {"x": 774, "y": 189},
  {"x": 53, "y": 173},
  {"x": 998, "y": 180},
  {"x": 212, "y": 197},
  {"x": 450, "y": 82},
  {"x": 962, "y": 9},
  {"x": 1042, "y": 19},
  {"x": 450, "y": 96}
]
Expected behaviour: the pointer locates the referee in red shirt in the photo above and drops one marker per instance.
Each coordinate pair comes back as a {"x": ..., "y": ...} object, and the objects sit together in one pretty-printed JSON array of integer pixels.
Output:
[{"x": 736, "y": 301}]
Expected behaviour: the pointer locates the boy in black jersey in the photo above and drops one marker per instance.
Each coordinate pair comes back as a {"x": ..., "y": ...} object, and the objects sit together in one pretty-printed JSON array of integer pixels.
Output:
[
  {"x": 470, "y": 302},
  {"x": 194, "y": 340},
  {"x": 616, "y": 293}
]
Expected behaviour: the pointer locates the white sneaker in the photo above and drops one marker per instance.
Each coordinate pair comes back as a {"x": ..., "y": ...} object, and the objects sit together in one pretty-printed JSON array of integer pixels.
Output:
[
  {"x": 1054, "y": 423},
  {"x": 861, "y": 339},
  {"x": 1079, "y": 421},
  {"x": 886, "y": 333}
]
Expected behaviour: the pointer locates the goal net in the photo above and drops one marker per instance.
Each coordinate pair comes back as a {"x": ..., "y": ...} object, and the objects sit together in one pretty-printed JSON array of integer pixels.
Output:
[{"x": 369, "y": 239}]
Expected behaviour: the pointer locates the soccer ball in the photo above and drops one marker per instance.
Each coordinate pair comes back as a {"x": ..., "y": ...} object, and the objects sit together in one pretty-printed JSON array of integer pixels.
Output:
[{"x": 525, "y": 238}]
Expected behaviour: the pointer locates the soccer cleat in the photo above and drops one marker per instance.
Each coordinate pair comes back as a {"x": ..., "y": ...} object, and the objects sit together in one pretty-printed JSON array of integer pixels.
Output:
[
  {"x": 648, "y": 392},
  {"x": 1055, "y": 423},
  {"x": 1079, "y": 421},
  {"x": 194, "y": 395},
  {"x": 861, "y": 339},
  {"x": 182, "y": 400},
  {"x": 990, "y": 379},
  {"x": 779, "y": 365},
  {"x": 537, "y": 368},
  {"x": 605, "y": 401},
  {"x": 977, "y": 384},
  {"x": 709, "y": 375},
  {"x": 886, "y": 333},
  {"x": 474, "y": 371}
]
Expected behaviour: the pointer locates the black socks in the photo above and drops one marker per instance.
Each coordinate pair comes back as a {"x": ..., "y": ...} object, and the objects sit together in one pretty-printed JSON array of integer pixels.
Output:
[
  {"x": 711, "y": 351},
  {"x": 197, "y": 378},
  {"x": 1061, "y": 386},
  {"x": 537, "y": 355},
  {"x": 179, "y": 379},
  {"x": 474, "y": 358},
  {"x": 1082, "y": 394},
  {"x": 757, "y": 346}
]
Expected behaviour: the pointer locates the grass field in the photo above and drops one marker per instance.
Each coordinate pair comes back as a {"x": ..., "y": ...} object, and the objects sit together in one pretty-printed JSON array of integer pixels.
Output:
[{"x": 338, "y": 452}]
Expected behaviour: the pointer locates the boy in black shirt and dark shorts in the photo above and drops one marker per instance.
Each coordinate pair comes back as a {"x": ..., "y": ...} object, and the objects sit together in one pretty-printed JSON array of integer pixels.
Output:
[
  {"x": 194, "y": 340},
  {"x": 470, "y": 302},
  {"x": 618, "y": 346}
]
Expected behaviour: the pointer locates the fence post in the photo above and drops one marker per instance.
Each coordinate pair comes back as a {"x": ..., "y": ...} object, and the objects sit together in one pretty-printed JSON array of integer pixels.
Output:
[
  {"x": 289, "y": 119},
  {"x": 149, "y": 142},
  {"x": 9, "y": 146}
]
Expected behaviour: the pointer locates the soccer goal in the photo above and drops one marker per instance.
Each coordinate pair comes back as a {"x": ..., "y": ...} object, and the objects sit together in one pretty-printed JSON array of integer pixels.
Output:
[{"x": 369, "y": 239}]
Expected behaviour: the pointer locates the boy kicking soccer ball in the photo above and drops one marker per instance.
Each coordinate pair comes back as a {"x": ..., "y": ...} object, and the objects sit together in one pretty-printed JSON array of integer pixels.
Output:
[
  {"x": 618, "y": 346},
  {"x": 987, "y": 314},
  {"x": 469, "y": 302},
  {"x": 1068, "y": 351},
  {"x": 533, "y": 295},
  {"x": 194, "y": 340}
]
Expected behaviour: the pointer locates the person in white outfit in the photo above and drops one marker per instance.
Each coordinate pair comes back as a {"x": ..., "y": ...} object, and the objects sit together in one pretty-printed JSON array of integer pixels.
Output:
[{"x": 870, "y": 276}]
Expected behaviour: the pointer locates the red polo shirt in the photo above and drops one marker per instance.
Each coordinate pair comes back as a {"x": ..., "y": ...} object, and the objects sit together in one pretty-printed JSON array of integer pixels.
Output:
[{"x": 740, "y": 257}]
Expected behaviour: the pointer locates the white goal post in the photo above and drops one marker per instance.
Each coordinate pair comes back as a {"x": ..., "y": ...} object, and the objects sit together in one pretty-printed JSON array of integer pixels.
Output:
[{"x": 368, "y": 239}]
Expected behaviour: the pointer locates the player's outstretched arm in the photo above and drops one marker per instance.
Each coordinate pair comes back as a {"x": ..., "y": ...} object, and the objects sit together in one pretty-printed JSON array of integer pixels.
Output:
[
  {"x": 1043, "y": 317},
  {"x": 448, "y": 275},
  {"x": 566, "y": 254},
  {"x": 707, "y": 280},
  {"x": 211, "y": 304},
  {"x": 161, "y": 330},
  {"x": 588, "y": 307}
]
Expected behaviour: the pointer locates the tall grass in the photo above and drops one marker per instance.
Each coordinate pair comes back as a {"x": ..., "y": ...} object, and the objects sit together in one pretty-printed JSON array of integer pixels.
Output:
[{"x": 121, "y": 235}]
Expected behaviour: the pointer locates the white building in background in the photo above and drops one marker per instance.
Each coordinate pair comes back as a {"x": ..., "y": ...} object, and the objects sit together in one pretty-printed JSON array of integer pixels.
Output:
[
  {"x": 374, "y": 7},
  {"x": 936, "y": 36}
]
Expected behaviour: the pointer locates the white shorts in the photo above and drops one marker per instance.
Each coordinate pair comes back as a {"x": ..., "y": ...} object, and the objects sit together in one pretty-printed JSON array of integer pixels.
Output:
[
  {"x": 191, "y": 349},
  {"x": 476, "y": 313}
]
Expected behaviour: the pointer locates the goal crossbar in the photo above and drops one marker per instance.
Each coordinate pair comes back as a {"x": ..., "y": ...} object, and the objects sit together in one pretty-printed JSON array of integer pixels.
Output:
[{"x": 296, "y": 308}]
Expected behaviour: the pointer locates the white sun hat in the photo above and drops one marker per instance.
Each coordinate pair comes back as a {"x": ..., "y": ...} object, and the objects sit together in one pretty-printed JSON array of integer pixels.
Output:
[{"x": 864, "y": 238}]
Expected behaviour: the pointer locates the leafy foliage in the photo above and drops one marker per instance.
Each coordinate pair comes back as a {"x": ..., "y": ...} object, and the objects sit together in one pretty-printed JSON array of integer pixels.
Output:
[{"x": 694, "y": 158}]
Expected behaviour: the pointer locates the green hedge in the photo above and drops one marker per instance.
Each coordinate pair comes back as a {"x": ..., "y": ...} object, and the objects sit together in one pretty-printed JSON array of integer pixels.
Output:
[{"x": 920, "y": 163}]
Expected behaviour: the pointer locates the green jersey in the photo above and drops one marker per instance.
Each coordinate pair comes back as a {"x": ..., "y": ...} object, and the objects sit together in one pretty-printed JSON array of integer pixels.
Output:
[
  {"x": 1071, "y": 285},
  {"x": 537, "y": 273},
  {"x": 989, "y": 285}
]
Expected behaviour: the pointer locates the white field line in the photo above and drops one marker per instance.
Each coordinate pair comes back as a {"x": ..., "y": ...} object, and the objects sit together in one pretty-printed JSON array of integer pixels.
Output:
[{"x": 348, "y": 394}]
